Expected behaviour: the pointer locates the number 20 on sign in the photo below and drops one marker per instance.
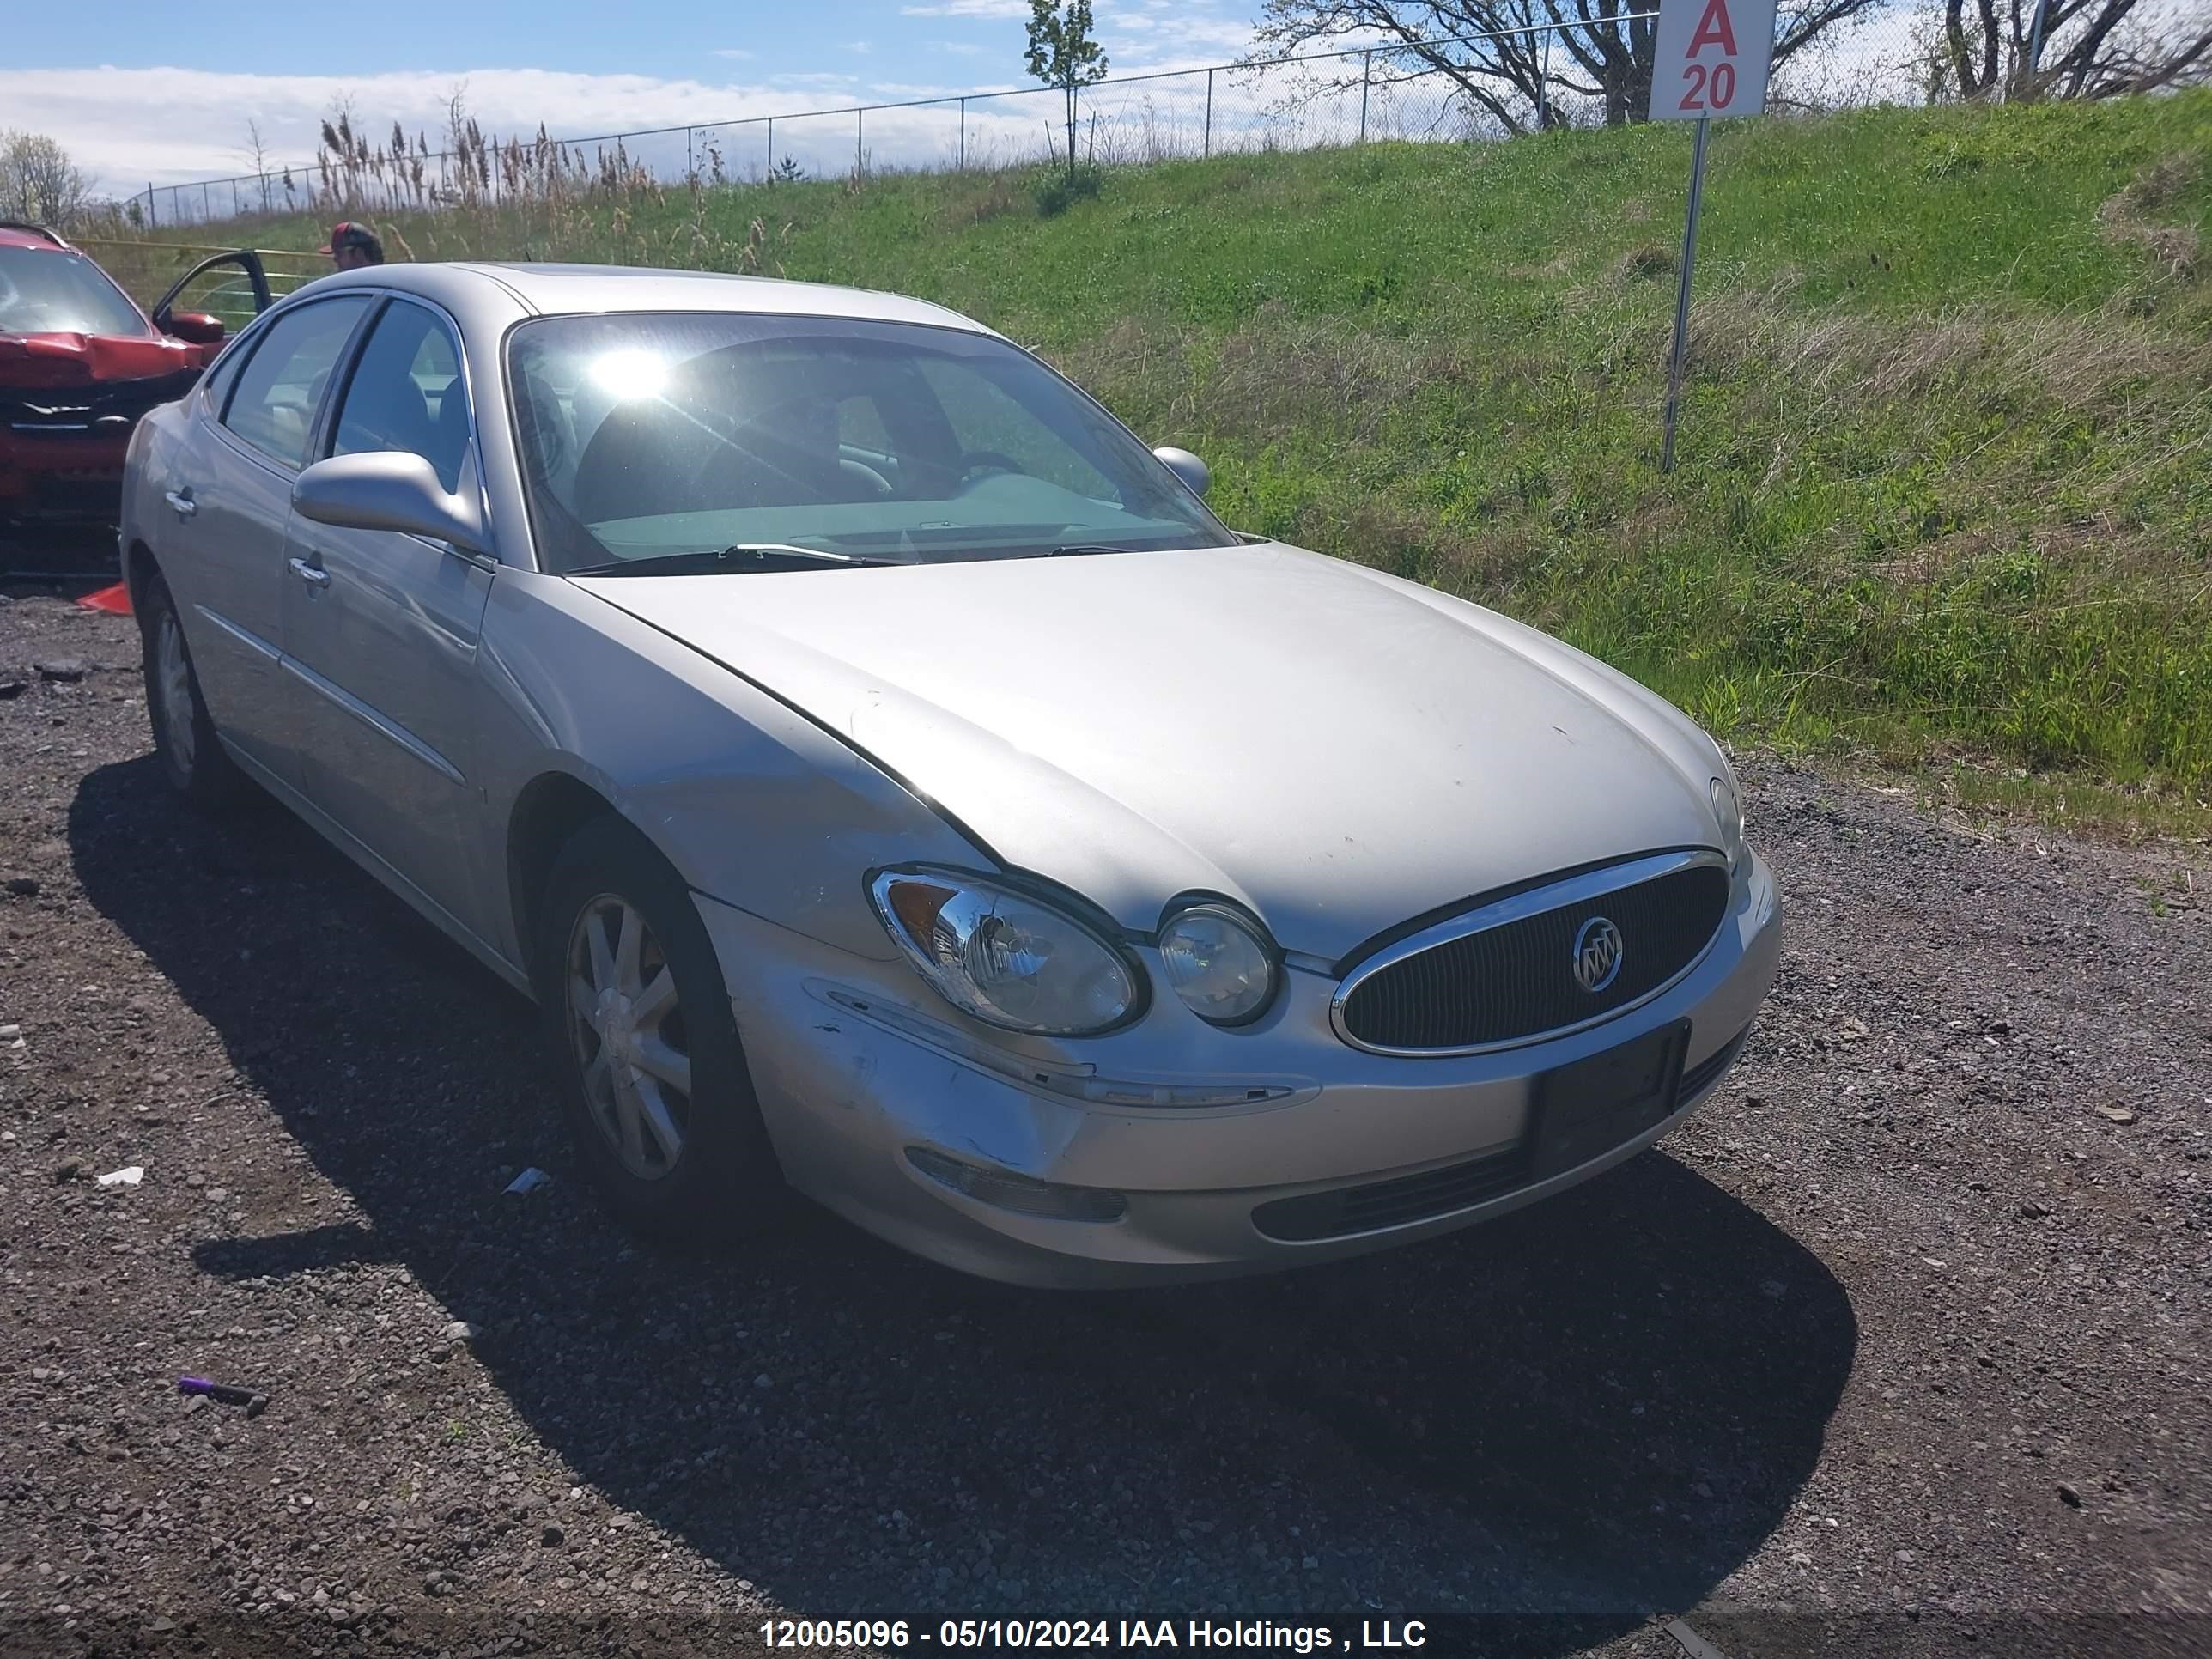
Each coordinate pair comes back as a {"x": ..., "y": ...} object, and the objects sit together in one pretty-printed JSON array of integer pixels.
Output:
[{"x": 1711, "y": 58}]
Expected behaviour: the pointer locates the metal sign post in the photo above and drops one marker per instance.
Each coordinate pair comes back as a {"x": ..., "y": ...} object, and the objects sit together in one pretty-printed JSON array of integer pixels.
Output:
[
  {"x": 1682, "y": 297},
  {"x": 1710, "y": 58}
]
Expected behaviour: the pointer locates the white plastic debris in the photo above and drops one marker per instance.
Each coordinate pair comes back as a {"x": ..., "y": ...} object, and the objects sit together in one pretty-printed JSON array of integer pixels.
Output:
[
  {"x": 529, "y": 1180},
  {"x": 128, "y": 1177}
]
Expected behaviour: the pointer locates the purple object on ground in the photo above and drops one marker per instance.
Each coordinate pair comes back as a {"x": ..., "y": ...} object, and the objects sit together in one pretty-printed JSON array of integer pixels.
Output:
[{"x": 222, "y": 1392}]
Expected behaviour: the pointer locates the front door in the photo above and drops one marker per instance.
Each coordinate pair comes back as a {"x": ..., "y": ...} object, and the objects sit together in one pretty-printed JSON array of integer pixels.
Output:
[
  {"x": 231, "y": 493},
  {"x": 381, "y": 632}
]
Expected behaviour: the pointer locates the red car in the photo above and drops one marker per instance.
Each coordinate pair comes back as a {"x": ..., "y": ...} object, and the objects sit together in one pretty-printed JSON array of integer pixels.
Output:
[{"x": 79, "y": 363}]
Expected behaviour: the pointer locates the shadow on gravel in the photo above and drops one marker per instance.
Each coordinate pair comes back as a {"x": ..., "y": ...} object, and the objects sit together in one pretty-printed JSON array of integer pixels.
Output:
[{"x": 1596, "y": 1408}]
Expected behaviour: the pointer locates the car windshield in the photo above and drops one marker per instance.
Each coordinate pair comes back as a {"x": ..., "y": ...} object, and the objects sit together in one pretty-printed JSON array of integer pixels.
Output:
[
  {"x": 46, "y": 291},
  {"x": 659, "y": 439}
]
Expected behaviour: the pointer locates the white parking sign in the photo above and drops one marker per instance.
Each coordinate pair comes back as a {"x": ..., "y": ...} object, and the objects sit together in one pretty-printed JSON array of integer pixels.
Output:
[{"x": 1713, "y": 58}]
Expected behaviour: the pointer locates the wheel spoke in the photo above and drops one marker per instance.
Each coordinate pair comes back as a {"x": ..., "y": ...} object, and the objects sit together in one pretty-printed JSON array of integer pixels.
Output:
[
  {"x": 584, "y": 1000},
  {"x": 603, "y": 964},
  {"x": 657, "y": 1001},
  {"x": 630, "y": 1109},
  {"x": 655, "y": 1056},
  {"x": 659, "y": 1123},
  {"x": 626, "y": 950},
  {"x": 599, "y": 1081}
]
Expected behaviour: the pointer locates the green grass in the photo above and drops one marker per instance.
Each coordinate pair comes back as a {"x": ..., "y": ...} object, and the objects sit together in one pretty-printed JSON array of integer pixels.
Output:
[{"x": 1943, "y": 497}]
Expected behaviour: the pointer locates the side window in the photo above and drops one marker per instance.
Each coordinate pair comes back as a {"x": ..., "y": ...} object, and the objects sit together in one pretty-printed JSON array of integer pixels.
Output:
[
  {"x": 987, "y": 420},
  {"x": 227, "y": 366},
  {"x": 273, "y": 405},
  {"x": 216, "y": 382},
  {"x": 406, "y": 394}
]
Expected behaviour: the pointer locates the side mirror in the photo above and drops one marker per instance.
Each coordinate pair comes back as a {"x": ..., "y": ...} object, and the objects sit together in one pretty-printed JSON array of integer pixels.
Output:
[
  {"x": 1186, "y": 466},
  {"x": 388, "y": 489},
  {"x": 196, "y": 326}
]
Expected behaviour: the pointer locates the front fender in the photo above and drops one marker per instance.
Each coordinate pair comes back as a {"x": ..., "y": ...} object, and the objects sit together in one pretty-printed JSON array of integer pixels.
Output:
[{"x": 752, "y": 802}]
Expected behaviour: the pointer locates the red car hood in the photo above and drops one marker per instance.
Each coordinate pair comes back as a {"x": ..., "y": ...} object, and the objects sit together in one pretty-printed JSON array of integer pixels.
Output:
[{"x": 50, "y": 359}]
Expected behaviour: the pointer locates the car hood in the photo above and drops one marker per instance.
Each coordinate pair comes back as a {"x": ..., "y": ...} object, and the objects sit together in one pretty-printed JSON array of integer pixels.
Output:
[
  {"x": 1339, "y": 750},
  {"x": 64, "y": 359}
]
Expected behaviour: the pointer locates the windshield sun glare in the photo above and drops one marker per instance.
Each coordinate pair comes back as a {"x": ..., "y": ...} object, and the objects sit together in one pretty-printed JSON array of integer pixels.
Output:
[{"x": 662, "y": 439}]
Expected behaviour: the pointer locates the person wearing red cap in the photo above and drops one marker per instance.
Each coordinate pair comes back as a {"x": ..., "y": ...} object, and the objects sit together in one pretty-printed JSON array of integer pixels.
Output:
[{"x": 352, "y": 246}]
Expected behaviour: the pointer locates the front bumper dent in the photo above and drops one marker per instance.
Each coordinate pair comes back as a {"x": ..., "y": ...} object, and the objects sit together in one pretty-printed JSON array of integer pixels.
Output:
[{"x": 855, "y": 1063}]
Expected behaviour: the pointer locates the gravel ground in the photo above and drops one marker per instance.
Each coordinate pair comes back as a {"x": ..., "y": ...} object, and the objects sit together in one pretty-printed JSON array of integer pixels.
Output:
[{"x": 1900, "y": 1346}]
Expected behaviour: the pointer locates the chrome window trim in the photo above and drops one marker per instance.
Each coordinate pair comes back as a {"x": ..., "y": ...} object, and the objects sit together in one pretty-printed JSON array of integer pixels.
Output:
[{"x": 1591, "y": 883}]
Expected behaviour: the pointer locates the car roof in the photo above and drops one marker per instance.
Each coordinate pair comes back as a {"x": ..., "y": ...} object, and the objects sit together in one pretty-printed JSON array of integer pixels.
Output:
[
  {"x": 556, "y": 290},
  {"x": 18, "y": 234}
]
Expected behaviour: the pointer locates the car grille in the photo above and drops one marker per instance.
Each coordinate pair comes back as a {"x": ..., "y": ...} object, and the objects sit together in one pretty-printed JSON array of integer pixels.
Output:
[
  {"x": 1513, "y": 980},
  {"x": 1407, "y": 1199},
  {"x": 104, "y": 409}
]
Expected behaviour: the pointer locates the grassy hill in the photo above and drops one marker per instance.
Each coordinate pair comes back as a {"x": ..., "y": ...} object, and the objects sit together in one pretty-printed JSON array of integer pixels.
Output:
[{"x": 1944, "y": 485}]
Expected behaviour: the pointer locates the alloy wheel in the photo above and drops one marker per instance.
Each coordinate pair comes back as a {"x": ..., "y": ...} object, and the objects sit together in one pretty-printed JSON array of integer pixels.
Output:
[
  {"x": 173, "y": 674},
  {"x": 626, "y": 1030}
]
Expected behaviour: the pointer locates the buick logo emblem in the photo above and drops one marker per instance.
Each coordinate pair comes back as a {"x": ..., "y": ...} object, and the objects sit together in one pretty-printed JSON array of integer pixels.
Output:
[{"x": 1598, "y": 952}]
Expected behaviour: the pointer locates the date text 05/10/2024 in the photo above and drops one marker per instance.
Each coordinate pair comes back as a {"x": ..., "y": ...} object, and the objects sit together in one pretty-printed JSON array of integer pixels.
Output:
[{"x": 1095, "y": 1635}]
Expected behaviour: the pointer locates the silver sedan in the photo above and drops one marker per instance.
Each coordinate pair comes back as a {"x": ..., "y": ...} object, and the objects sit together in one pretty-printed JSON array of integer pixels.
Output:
[{"x": 893, "y": 784}]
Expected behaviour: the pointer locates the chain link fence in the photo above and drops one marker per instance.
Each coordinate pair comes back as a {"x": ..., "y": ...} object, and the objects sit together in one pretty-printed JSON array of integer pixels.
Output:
[{"x": 1361, "y": 96}]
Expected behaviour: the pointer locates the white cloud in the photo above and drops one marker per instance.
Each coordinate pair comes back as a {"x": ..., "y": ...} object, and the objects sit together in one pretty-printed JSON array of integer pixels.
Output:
[
  {"x": 126, "y": 128},
  {"x": 1008, "y": 9},
  {"x": 863, "y": 47},
  {"x": 1161, "y": 35}
]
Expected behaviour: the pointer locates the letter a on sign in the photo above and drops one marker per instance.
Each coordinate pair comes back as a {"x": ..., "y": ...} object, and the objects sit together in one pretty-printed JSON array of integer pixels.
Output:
[
  {"x": 1714, "y": 29},
  {"x": 1713, "y": 58}
]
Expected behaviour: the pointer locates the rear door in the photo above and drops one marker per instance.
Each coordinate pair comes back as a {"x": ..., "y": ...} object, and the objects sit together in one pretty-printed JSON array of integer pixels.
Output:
[
  {"x": 228, "y": 498},
  {"x": 381, "y": 629}
]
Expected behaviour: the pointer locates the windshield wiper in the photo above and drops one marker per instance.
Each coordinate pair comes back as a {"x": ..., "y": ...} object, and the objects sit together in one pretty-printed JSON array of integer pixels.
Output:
[
  {"x": 703, "y": 562},
  {"x": 1071, "y": 549}
]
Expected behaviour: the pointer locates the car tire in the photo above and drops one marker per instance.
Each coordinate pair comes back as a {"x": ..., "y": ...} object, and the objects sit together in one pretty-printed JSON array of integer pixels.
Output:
[
  {"x": 639, "y": 1059},
  {"x": 191, "y": 757}
]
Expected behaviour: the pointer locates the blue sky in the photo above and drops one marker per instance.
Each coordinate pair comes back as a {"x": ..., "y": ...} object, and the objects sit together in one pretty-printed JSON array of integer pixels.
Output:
[{"x": 141, "y": 92}]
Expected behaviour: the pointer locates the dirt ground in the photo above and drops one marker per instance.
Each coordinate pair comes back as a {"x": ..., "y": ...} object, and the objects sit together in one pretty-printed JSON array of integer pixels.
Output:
[{"x": 1901, "y": 1346}]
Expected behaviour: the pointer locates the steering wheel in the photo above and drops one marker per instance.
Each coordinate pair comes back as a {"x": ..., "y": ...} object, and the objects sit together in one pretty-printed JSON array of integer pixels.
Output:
[
  {"x": 866, "y": 474},
  {"x": 970, "y": 460},
  {"x": 807, "y": 469}
]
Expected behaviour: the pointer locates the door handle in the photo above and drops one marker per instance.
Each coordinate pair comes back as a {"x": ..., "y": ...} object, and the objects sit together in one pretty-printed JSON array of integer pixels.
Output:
[
  {"x": 313, "y": 574},
  {"x": 182, "y": 501}
]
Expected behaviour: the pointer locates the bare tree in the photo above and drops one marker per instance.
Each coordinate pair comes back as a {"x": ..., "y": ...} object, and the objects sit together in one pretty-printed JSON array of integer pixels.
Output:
[
  {"x": 1493, "y": 50},
  {"x": 2081, "y": 48},
  {"x": 257, "y": 157},
  {"x": 38, "y": 180}
]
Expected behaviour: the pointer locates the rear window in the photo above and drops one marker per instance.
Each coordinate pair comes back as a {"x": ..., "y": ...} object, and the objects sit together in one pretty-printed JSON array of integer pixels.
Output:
[{"x": 45, "y": 291}]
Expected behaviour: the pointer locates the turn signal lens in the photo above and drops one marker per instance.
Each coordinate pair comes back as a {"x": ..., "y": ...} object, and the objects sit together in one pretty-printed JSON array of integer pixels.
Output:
[{"x": 1727, "y": 810}]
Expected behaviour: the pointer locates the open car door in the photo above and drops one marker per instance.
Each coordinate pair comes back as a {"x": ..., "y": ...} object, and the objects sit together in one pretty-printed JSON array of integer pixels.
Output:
[{"x": 227, "y": 292}]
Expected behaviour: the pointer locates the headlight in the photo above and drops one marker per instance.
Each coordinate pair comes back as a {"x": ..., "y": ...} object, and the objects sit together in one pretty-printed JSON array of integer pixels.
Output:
[
  {"x": 1728, "y": 808},
  {"x": 1221, "y": 967},
  {"x": 1010, "y": 959}
]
